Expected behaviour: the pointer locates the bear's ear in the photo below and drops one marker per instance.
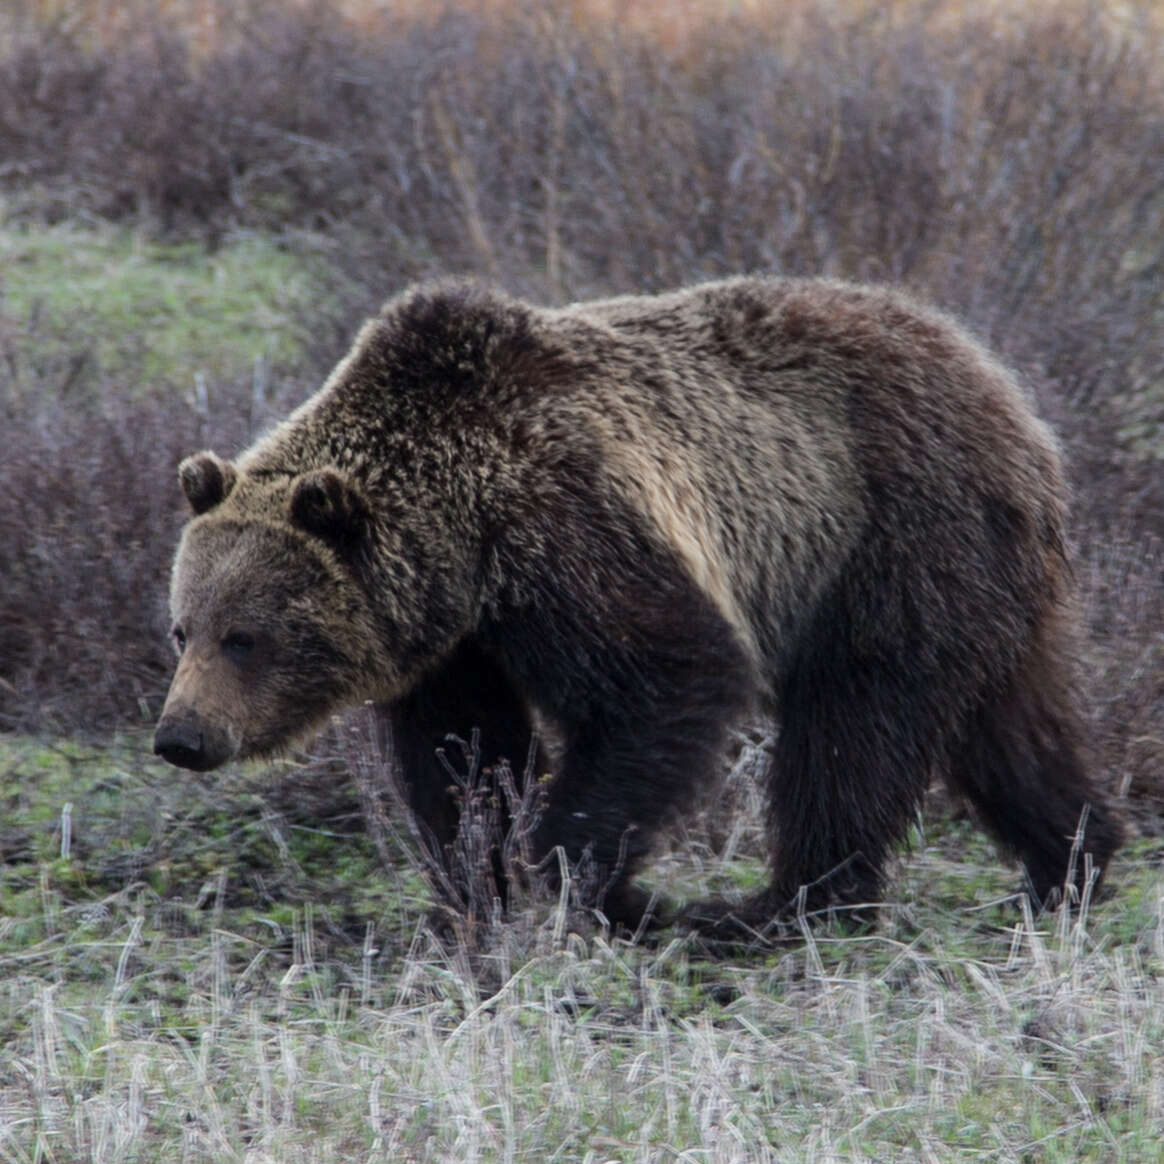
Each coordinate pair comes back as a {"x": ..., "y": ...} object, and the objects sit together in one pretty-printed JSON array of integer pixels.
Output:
[
  {"x": 326, "y": 504},
  {"x": 206, "y": 480}
]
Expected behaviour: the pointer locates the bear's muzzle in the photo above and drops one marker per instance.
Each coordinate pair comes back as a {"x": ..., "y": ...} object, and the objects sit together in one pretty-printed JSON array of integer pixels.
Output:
[{"x": 184, "y": 743}]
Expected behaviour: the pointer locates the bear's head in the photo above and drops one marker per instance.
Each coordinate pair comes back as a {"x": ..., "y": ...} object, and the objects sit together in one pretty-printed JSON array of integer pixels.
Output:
[{"x": 271, "y": 615}]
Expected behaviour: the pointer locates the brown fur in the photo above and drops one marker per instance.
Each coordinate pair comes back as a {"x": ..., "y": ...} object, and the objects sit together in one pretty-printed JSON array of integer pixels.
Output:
[{"x": 642, "y": 517}]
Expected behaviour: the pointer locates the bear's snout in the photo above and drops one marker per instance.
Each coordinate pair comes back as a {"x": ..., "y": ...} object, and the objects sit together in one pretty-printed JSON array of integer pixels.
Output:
[{"x": 183, "y": 743}]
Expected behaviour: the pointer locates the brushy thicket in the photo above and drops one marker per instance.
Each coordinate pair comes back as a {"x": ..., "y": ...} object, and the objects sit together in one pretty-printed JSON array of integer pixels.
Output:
[{"x": 1010, "y": 167}]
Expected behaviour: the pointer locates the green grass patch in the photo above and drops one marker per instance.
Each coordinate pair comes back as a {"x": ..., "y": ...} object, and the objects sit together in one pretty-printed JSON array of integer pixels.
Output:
[{"x": 147, "y": 314}]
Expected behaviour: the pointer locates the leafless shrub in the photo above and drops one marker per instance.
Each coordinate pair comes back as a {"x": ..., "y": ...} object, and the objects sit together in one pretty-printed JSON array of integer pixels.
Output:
[
  {"x": 89, "y": 513},
  {"x": 1123, "y": 580},
  {"x": 484, "y": 880}
]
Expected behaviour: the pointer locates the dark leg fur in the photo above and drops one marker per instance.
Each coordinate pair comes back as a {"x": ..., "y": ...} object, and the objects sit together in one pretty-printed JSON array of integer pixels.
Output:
[
  {"x": 869, "y": 714},
  {"x": 469, "y": 691},
  {"x": 643, "y": 677},
  {"x": 1021, "y": 765},
  {"x": 851, "y": 765},
  {"x": 628, "y": 768},
  {"x": 880, "y": 684}
]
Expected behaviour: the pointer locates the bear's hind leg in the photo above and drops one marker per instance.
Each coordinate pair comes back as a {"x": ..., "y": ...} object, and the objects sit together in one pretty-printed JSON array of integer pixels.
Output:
[
  {"x": 864, "y": 709},
  {"x": 1021, "y": 764},
  {"x": 852, "y": 760},
  {"x": 856, "y": 744}
]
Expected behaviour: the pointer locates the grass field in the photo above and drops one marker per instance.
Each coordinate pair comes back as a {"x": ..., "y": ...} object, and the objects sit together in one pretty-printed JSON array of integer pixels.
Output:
[
  {"x": 198, "y": 200},
  {"x": 211, "y": 973}
]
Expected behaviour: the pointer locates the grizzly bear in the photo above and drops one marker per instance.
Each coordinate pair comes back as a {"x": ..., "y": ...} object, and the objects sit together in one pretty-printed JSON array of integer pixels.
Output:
[{"x": 641, "y": 519}]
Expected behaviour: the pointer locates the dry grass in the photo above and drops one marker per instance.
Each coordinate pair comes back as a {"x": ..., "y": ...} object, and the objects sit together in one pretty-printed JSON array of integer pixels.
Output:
[
  {"x": 225, "y": 1002},
  {"x": 1040, "y": 1054}
]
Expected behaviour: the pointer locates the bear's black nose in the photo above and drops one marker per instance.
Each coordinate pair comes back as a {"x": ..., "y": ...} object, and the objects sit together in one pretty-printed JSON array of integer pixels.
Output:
[{"x": 182, "y": 744}]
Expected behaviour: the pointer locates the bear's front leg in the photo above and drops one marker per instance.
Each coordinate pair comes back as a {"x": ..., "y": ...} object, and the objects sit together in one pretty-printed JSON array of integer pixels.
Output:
[
  {"x": 469, "y": 692},
  {"x": 643, "y": 697}
]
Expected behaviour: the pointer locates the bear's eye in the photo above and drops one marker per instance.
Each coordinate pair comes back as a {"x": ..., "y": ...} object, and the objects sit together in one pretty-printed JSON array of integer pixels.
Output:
[
  {"x": 179, "y": 636},
  {"x": 238, "y": 645}
]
